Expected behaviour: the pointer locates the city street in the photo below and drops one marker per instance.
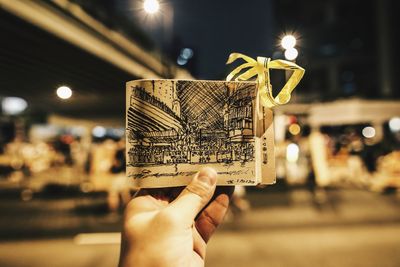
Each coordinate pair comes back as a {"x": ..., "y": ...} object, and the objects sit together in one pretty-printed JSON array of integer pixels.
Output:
[
  {"x": 351, "y": 228},
  {"x": 348, "y": 246},
  {"x": 296, "y": 104},
  {"x": 344, "y": 246}
]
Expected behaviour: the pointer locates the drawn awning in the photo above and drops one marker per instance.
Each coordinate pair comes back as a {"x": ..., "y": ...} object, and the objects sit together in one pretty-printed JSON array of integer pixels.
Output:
[{"x": 145, "y": 117}]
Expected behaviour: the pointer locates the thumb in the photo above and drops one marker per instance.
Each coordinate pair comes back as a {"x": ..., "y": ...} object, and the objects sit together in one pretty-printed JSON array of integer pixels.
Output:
[{"x": 196, "y": 195}]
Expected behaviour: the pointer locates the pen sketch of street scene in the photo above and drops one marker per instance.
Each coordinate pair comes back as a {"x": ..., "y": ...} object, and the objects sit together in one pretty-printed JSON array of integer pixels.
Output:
[{"x": 175, "y": 124}]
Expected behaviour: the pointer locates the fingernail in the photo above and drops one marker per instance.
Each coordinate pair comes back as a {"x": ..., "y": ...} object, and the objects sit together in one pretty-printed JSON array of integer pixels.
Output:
[{"x": 208, "y": 176}]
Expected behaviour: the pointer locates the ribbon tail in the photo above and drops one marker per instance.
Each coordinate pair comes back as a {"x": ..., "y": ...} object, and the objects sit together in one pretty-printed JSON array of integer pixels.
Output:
[{"x": 284, "y": 95}]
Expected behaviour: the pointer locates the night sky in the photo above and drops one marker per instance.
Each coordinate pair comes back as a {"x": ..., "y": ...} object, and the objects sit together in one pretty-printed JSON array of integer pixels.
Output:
[{"x": 214, "y": 29}]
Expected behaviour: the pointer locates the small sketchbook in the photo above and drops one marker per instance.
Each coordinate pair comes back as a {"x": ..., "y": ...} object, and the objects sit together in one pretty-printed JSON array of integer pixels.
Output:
[{"x": 176, "y": 127}]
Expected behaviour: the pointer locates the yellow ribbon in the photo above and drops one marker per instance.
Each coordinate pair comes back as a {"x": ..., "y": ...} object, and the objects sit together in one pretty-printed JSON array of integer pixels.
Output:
[{"x": 260, "y": 68}]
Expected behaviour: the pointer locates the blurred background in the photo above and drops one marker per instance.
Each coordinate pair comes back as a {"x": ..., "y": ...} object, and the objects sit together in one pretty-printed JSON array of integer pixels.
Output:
[{"x": 63, "y": 68}]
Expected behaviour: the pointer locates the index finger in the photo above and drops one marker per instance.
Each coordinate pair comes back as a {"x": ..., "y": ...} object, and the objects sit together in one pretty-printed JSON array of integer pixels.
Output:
[{"x": 212, "y": 216}]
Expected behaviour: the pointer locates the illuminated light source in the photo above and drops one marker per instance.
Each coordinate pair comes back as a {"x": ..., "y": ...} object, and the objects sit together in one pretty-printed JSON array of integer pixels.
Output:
[
  {"x": 64, "y": 92},
  {"x": 181, "y": 61},
  {"x": 117, "y": 132},
  {"x": 184, "y": 56},
  {"x": 368, "y": 132},
  {"x": 151, "y": 6},
  {"x": 394, "y": 124},
  {"x": 292, "y": 152},
  {"x": 187, "y": 53},
  {"x": 291, "y": 53},
  {"x": 294, "y": 129},
  {"x": 13, "y": 105},
  {"x": 78, "y": 131},
  {"x": 288, "y": 41},
  {"x": 99, "y": 131}
]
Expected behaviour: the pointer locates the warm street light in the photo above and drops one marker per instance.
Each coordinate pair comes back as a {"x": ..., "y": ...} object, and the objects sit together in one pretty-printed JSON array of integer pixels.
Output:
[
  {"x": 64, "y": 92},
  {"x": 291, "y": 53},
  {"x": 151, "y": 6},
  {"x": 99, "y": 131},
  {"x": 292, "y": 152},
  {"x": 162, "y": 11},
  {"x": 394, "y": 124},
  {"x": 288, "y": 41},
  {"x": 368, "y": 132},
  {"x": 13, "y": 105}
]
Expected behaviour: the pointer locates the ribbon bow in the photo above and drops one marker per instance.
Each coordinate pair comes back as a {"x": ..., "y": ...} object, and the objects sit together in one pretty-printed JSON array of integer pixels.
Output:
[{"x": 260, "y": 68}]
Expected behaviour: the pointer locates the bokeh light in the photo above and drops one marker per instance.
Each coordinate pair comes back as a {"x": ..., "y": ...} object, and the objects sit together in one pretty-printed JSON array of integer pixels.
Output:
[
  {"x": 291, "y": 53},
  {"x": 99, "y": 131},
  {"x": 292, "y": 152},
  {"x": 151, "y": 6},
  {"x": 368, "y": 132},
  {"x": 288, "y": 41},
  {"x": 64, "y": 92},
  {"x": 187, "y": 53},
  {"x": 294, "y": 129},
  {"x": 394, "y": 124},
  {"x": 13, "y": 105}
]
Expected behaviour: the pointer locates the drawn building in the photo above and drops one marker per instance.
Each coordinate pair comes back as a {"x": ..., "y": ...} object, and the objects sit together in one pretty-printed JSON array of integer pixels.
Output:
[
  {"x": 153, "y": 124},
  {"x": 171, "y": 122}
]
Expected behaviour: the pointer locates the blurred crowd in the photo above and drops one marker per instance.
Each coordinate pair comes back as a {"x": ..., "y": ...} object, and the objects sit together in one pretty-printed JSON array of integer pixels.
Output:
[
  {"x": 94, "y": 164},
  {"x": 356, "y": 155}
]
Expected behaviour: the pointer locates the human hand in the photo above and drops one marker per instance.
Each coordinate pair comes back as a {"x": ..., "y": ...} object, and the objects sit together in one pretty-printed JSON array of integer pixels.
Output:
[{"x": 163, "y": 230}]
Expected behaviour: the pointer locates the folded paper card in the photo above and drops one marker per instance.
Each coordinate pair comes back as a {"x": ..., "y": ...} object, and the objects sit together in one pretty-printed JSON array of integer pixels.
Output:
[{"x": 175, "y": 127}]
